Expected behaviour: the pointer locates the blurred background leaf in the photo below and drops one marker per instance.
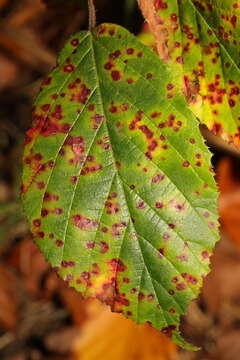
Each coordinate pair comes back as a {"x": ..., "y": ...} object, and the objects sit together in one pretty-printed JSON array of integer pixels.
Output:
[{"x": 110, "y": 336}]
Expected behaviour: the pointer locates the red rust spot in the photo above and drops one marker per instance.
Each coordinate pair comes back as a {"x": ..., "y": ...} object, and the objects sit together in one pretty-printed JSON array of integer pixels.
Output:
[
  {"x": 58, "y": 211},
  {"x": 182, "y": 257},
  {"x": 115, "y": 74},
  {"x": 108, "y": 66},
  {"x": 149, "y": 76},
  {"x": 45, "y": 107},
  {"x": 159, "y": 205},
  {"x": 161, "y": 252},
  {"x": 113, "y": 109},
  {"x": 174, "y": 17},
  {"x": 129, "y": 80},
  {"x": 68, "y": 68},
  {"x": 115, "y": 54},
  {"x": 117, "y": 265},
  {"x": 150, "y": 297},
  {"x": 74, "y": 179},
  {"x": 44, "y": 212},
  {"x": 75, "y": 42},
  {"x": 231, "y": 102},
  {"x": 179, "y": 59},
  {"x": 50, "y": 197},
  {"x": 168, "y": 331},
  {"x": 59, "y": 243},
  {"x": 130, "y": 51},
  {"x": 90, "y": 244},
  {"x": 37, "y": 222},
  {"x": 46, "y": 81},
  {"x": 124, "y": 107},
  {"x": 166, "y": 236},
  {"x": 40, "y": 234},
  {"x": 155, "y": 114},
  {"x": 160, "y": 5},
  {"x": 170, "y": 86},
  {"x": 101, "y": 30},
  {"x": 140, "y": 205},
  {"x": 205, "y": 255},
  {"x": 157, "y": 178},
  {"x": 147, "y": 132},
  {"x": 190, "y": 278},
  {"x": 104, "y": 247},
  {"x": 181, "y": 286},
  {"x": 84, "y": 223},
  {"x": 186, "y": 163},
  {"x": 40, "y": 185},
  {"x": 97, "y": 120}
]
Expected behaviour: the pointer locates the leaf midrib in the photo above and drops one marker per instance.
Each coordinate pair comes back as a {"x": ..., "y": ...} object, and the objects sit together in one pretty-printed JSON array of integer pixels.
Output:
[
  {"x": 103, "y": 111},
  {"x": 120, "y": 181},
  {"x": 123, "y": 192}
]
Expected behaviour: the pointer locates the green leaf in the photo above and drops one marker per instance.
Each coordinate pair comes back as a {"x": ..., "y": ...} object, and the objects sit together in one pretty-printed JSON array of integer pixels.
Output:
[
  {"x": 117, "y": 182},
  {"x": 200, "y": 42}
]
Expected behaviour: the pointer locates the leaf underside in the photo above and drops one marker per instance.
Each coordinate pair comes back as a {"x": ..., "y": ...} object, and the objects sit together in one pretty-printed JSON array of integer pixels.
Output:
[
  {"x": 117, "y": 183},
  {"x": 200, "y": 40}
]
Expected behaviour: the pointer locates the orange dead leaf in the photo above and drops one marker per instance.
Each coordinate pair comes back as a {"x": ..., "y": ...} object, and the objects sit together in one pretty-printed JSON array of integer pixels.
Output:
[{"x": 111, "y": 336}]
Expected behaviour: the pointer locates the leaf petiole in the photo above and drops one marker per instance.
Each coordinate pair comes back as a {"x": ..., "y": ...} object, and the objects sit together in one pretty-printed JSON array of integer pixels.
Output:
[{"x": 92, "y": 15}]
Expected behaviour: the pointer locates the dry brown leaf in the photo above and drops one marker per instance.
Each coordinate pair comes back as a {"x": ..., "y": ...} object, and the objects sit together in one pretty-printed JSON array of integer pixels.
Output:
[
  {"x": 8, "y": 71},
  {"x": 61, "y": 340},
  {"x": 73, "y": 301},
  {"x": 30, "y": 263},
  {"x": 228, "y": 346},
  {"x": 3, "y": 3},
  {"x": 229, "y": 200},
  {"x": 222, "y": 287},
  {"x": 25, "y": 14},
  {"x": 24, "y": 45},
  {"x": 8, "y": 299},
  {"x": 110, "y": 336}
]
